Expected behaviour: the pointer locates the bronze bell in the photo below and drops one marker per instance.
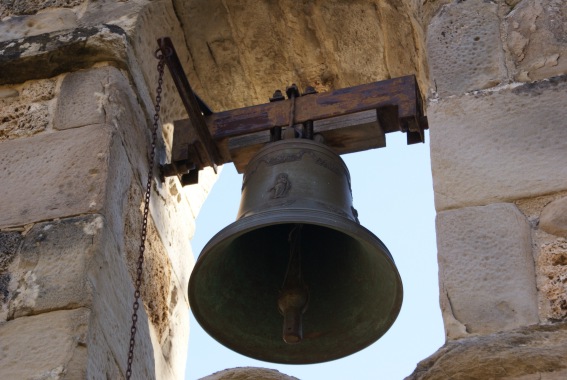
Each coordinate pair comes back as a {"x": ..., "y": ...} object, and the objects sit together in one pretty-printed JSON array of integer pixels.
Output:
[{"x": 296, "y": 257}]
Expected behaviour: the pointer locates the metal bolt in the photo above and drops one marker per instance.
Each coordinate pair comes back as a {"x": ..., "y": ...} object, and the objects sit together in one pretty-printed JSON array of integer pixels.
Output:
[
  {"x": 292, "y": 91},
  {"x": 277, "y": 96},
  {"x": 309, "y": 90}
]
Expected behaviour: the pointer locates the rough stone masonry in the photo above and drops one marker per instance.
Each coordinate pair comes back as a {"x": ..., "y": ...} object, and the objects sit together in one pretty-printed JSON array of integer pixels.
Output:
[{"x": 76, "y": 89}]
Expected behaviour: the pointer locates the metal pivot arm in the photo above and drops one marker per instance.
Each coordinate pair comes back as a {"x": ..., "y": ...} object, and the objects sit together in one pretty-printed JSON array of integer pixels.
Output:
[
  {"x": 350, "y": 120},
  {"x": 199, "y": 150}
]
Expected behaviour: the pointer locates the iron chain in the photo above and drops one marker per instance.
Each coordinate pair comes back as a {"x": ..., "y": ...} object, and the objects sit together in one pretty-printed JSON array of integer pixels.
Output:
[{"x": 138, "y": 283}]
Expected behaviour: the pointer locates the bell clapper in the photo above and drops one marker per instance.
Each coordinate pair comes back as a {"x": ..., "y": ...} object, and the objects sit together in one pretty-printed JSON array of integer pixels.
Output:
[{"x": 293, "y": 298}]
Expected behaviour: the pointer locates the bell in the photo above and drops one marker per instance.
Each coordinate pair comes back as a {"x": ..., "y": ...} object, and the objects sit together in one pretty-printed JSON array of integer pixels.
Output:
[{"x": 296, "y": 279}]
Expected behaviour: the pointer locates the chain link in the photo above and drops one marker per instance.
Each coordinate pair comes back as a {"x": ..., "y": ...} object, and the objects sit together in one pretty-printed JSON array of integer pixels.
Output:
[{"x": 138, "y": 283}]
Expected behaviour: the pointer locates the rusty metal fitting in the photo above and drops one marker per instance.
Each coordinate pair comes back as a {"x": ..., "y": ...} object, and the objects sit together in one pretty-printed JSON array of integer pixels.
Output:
[
  {"x": 292, "y": 90},
  {"x": 277, "y": 96},
  {"x": 309, "y": 90}
]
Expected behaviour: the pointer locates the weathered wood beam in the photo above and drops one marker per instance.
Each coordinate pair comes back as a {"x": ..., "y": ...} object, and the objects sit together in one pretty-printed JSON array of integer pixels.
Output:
[
  {"x": 345, "y": 134},
  {"x": 402, "y": 93},
  {"x": 349, "y": 120}
]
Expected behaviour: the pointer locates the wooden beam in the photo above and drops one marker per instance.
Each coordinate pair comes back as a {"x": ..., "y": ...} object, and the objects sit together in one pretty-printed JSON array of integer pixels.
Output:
[
  {"x": 400, "y": 92},
  {"x": 350, "y": 120},
  {"x": 344, "y": 134}
]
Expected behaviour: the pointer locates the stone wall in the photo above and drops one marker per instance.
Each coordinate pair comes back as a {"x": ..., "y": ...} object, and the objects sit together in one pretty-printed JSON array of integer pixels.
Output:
[
  {"x": 497, "y": 109},
  {"x": 76, "y": 85},
  {"x": 77, "y": 82}
]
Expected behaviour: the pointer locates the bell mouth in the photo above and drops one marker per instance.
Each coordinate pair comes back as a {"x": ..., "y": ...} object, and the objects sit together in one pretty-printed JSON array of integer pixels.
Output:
[{"x": 355, "y": 290}]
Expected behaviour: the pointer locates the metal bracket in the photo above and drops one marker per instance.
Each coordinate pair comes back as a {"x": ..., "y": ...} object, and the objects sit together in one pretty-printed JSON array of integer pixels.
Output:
[
  {"x": 193, "y": 148},
  {"x": 350, "y": 120}
]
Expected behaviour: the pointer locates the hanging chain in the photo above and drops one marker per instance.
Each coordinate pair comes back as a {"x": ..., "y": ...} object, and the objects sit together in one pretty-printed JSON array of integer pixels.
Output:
[{"x": 159, "y": 54}]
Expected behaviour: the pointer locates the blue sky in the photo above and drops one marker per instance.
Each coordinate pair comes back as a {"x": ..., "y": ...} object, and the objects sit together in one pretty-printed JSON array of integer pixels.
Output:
[{"x": 393, "y": 194}]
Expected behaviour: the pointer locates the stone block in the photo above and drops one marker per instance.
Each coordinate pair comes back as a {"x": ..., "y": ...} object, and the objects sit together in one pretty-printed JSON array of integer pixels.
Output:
[
  {"x": 248, "y": 373},
  {"x": 157, "y": 274},
  {"x": 430, "y": 9},
  {"x": 101, "y": 363},
  {"x": 112, "y": 315},
  {"x": 486, "y": 269},
  {"x": 81, "y": 100},
  {"x": 499, "y": 146},
  {"x": 28, "y": 7},
  {"x": 465, "y": 52},
  {"x": 50, "y": 54},
  {"x": 553, "y": 219},
  {"x": 104, "y": 95},
  {"x": 153, "y": 21},
  {"x": 50, "y": 271},
  {"x": 175, "y": 224},
  {"x": 9, "y": 244},
  {"x": 45, "y": 346},
  {"x": 123, "y": 14},
  {"x": 552, "y": 276},
  {"x": 174, "y": 343},
  {"x": 531, "y": 353},
  {"x": 170, "y": 205},
  {"x": 31, "y": 25},
  {"x": 118, "y": 198},
  {"x": 25, "y": 109},
  {"x": 559, "y": 374},
  {"x": 537, "y": 39},
  {"x": 68, "y": 170}
]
